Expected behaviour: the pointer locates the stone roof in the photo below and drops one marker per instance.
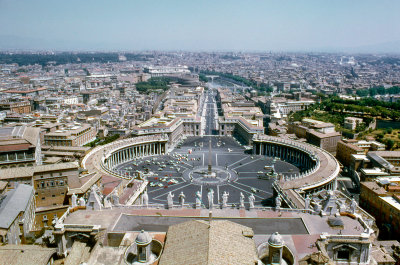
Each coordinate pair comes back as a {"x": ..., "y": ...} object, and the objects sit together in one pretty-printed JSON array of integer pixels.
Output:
[
  {"x": 31, "y": 134},
  {"x": 22, "y": 172},
  {"x": 381, "y": 256},
  {"x": 15, "y": 202},
  {"x": 25, "y": 254},
  {"x": 199, "y": 242},
  {"x": 3, "y": 185}
]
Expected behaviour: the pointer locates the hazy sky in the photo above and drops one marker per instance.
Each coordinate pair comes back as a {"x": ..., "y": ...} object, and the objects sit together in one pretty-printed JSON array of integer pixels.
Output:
[{"x": 218, "y": 25}]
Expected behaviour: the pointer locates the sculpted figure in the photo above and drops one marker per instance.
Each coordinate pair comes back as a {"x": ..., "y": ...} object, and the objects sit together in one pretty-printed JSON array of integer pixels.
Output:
[
  {"x": 225, "y": 199},
  {"x": 170, "y": 201},
  {"x": 210, "y": 197},
  {"x": 278, "y": 202},
  {"x": 353, "y": 206},
  {"x": 198, "y": 199},
  {"x": 145, "y": 199},
  {"x": 241, "y": 200},
  {"x": 82, "y": 202},
  {"x": 251, "y": 200},
  {"x": 307, "y": 202},
  {"x": 182, "y": 198},
  {"x": 74, "y": 199}
]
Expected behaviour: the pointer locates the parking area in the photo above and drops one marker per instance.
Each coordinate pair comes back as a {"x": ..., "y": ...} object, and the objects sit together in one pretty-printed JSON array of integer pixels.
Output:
[{"x": 251, "y": 174}]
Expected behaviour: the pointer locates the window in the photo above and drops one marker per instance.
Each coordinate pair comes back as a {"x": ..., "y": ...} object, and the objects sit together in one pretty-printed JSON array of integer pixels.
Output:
[{"x": 343, "y": 253}]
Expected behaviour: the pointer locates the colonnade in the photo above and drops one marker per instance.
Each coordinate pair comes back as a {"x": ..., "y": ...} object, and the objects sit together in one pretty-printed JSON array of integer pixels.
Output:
[
  {"x": 328, "y": 186},
  {"x": 135, "y": 151},
  {"x": 284, "y": 152}
]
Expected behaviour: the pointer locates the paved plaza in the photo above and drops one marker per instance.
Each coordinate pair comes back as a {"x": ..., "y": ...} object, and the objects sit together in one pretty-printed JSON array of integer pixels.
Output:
[{"x": 185, "y": 169}]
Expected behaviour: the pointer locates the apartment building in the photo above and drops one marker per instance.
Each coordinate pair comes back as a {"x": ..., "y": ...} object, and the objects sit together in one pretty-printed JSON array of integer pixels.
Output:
[{"x": 71, "y": 135}]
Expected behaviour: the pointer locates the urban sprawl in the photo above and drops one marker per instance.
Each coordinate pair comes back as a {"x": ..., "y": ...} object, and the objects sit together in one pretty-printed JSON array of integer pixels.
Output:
[{"x": 199, "y": 158}]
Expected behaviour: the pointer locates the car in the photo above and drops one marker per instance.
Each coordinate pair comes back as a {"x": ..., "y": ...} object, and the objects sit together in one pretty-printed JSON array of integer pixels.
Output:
[{"x": 153, "y": 184}]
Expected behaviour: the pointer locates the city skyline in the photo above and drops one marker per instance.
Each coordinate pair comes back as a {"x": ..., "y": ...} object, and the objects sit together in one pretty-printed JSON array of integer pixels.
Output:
[{"x": 315, "y": 26}]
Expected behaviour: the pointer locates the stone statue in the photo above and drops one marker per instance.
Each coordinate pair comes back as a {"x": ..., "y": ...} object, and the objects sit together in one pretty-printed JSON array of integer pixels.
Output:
[
  {"x": 55, "y": 220},
  {"x": 198, "y": 199},
  {"x": 241, "y": 200},
  {"x": 278, "y": 202},
  {"x": 170, "y": 201},
  {"x": 115, "y": 199},
  {"x": 74, "y": 199},
  {"x": 225, "y": 199},
  {"x": 82, "y": 201},
  {"x": 251, "y": 200},
  {"x": 182, "y": 198},
  {"x": 145, "y": 197},
  {"x": 107, "y": 202},
  {"x": 307, "y": 202},
  {"x": 210, "y": 198},
  {"x": 317, "y": 207},
  {"x": 353, "y": 206}
]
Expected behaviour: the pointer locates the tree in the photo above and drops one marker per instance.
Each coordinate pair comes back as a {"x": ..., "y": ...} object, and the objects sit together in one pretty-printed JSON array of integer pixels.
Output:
[
  {"x": 389, "y": 144},
  {"x": 380, "y": 136}
]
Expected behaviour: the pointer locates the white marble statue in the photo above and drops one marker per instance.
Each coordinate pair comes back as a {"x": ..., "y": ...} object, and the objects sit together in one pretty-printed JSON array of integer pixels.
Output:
[
  {"x": 307, "y": 202},
  {"x": 210, "y": 197},
  {"x": 182, "y": 198},
  {"x": 251, "y": 200},
  {"x": 170, "y": 201},
  {"x": 82, "y": 201},
  {"x": 225, "y": 199},
  {"x": 55, "y": 220},
  {"x": 145, "y": 197},
  {"x": 115, "y": 199},
  {"x": 241, "y": 200},
  {"x": 278, "y": 202},
  {"x": 353, "y": 206},
  {"x": 74, "y": 200},
  {"x": 317, "y": 207},
  {"x": 107, "y": 202},
  {"x": 198, "y": 199}
]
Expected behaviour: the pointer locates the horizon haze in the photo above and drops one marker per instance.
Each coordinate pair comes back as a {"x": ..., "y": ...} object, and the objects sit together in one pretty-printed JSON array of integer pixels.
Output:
[{"x": 262, "y": 26}]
